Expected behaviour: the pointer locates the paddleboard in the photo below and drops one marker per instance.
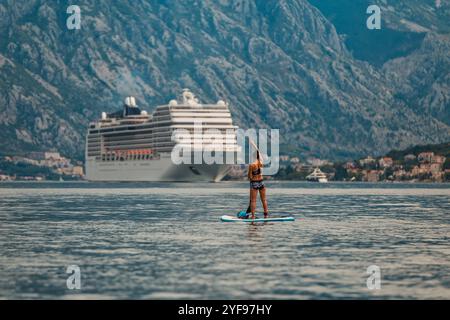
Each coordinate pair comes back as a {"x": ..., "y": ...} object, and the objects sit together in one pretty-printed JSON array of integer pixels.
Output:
[{"x": 227, "y": 218}]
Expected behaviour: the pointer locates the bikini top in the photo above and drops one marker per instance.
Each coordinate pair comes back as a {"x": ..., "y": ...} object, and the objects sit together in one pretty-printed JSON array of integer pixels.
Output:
[{"x": 256, "y": 172}]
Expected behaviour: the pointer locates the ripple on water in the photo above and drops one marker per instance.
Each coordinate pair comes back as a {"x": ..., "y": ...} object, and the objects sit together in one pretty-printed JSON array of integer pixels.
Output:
[{"x": 166, "y": 242}]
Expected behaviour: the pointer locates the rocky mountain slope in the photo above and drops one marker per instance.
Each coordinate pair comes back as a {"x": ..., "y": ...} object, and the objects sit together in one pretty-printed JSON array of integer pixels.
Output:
[
  {"x": 280, "y": 64},
  {"x": 412, "y": 49}
]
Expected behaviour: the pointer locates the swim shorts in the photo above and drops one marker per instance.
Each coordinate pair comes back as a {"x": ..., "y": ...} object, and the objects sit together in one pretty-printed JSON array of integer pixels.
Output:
[{"x": 257, "y": 185}]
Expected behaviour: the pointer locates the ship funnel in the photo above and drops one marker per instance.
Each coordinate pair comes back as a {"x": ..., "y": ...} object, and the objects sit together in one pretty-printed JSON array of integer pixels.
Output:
[
  {"x": 130, "y": 102},
  {"x": 104, "y": 116},
  {"x": 189, "y": 98}
]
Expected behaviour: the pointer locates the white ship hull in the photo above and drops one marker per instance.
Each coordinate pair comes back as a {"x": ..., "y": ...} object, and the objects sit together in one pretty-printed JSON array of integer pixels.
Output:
[{"x": 155, "y": 170}]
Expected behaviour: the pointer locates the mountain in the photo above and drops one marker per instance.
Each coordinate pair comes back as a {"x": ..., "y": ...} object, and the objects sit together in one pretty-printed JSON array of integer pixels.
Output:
[
  {"x": 411, "y": 49},
  {"x": 279, "y": 63}
]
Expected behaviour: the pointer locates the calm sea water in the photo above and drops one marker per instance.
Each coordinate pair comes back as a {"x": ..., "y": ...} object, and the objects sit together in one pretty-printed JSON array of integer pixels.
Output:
[{"x": 165, "y": 241}]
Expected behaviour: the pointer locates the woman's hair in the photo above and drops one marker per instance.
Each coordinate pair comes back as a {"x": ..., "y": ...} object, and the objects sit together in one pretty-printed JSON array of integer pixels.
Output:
[{"x": 259, "y": 158}]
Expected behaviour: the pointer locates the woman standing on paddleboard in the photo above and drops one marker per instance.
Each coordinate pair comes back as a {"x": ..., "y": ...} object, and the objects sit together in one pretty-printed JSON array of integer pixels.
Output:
[{"x": 257, "y": 184}]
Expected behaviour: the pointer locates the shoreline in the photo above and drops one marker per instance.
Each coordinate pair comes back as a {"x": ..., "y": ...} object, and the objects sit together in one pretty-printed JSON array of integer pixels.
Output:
[{"x": 227, "y": 182}]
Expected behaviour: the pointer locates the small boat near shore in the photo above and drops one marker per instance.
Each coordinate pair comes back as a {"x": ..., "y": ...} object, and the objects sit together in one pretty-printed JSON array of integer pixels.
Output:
[{"x": 317, "y": 176}]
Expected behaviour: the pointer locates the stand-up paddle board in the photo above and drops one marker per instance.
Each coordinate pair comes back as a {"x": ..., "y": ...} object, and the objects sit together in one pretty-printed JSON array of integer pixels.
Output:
[{"x": 270, "y": 219}]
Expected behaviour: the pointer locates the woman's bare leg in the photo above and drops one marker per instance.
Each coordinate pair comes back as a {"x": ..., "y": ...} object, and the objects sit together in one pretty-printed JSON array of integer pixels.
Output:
[
  {"x": 253, "y": 196},
  {"x": 262, "y": 194}
]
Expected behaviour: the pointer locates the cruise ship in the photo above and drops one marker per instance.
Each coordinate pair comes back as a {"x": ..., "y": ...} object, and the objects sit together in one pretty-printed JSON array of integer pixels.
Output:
[{"x": 132, "y": 145}]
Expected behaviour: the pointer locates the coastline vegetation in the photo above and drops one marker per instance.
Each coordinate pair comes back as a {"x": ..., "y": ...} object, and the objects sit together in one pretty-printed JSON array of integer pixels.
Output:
[{"x": 424, "y": 163}]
